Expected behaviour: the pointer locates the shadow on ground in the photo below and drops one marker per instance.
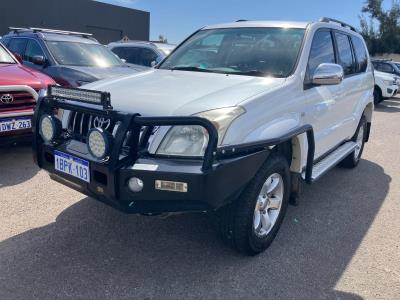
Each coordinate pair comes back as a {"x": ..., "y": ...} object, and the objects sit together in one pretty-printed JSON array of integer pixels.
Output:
[
  {"x": 16, "y": 164},
  {"x": 94, "y": 252},
  {"x": 391, "y": 105}
]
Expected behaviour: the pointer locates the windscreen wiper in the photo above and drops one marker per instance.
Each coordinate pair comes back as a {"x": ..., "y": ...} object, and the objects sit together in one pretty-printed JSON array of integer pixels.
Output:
[
  {"x": 189, "y": 68},
  {"x": 250, "y": 73}
]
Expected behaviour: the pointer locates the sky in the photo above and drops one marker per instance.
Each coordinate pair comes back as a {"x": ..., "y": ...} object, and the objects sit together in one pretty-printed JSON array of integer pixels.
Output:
[{"x": 176, "y": 19}]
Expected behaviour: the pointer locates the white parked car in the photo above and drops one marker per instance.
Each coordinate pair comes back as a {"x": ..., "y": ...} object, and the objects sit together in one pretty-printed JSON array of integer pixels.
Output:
[
  {"x": 386, "y": 86},
  {"x": 141, "y": 52},
  {"x": 232, "y": 122}
]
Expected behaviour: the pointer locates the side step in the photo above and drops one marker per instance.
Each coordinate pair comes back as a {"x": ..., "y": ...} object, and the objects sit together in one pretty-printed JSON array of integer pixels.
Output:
[{"x": 330, "y": 161}]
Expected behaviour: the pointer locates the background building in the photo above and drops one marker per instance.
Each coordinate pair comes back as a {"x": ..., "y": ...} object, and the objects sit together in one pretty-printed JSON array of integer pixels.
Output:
[{"x": 107, "y": 22}]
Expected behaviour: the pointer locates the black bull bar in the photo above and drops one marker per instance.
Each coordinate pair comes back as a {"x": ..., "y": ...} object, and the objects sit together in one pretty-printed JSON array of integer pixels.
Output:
[{"x": 206, "y": 175}]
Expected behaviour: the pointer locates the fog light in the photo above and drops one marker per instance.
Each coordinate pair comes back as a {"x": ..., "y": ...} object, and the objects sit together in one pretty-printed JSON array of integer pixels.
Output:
[
  {"x": 99, "y": 142},
  {"x": 49, "y": 127},
  {"x": 135, "y": 184}
]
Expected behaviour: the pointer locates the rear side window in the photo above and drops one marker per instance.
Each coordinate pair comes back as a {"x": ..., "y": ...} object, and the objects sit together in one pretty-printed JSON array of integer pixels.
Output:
[
  {"x": 322, "y": 51},
  {"x": 18, "y": 46},
  {"x": 361, "y": 54},
  {"x": 130, "y": 54},
  {"x": 33, "y": 49},
  {"x": 345, "y": 53}
]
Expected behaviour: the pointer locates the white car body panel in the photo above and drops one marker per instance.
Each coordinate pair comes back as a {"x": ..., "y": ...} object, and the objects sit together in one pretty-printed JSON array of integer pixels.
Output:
[
  {"x": 381, "y": 79},
  {"x": 273, "y": 106}
]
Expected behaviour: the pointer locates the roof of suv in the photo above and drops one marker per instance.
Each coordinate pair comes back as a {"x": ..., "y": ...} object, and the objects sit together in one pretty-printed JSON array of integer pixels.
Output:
[
  {"x": 53, "y": 36},
  {"x": 240, "y": 24},
  {"x": 333, "y": 23}
]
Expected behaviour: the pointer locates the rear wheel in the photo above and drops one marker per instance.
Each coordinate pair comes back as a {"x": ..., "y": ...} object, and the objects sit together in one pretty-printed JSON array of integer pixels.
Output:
[
  {"x": 378, "y": 98},
  {"x": 352, "y": 160},
  {"x": 251, "y": 223}
]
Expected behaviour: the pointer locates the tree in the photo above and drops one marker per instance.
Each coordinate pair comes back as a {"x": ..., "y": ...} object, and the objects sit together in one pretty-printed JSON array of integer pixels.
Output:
[{"x": 386, "y": 39}]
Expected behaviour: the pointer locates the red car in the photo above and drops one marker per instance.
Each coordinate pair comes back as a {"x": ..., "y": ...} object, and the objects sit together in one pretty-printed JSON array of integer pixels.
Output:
[{"x": 19, "y": 88}]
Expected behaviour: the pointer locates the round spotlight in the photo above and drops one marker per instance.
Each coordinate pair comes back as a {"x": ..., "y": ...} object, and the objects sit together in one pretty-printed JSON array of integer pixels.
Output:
[
  {"x": 135, "y": 184},
  {"x": 49, "y": 127},
  {"x": 99, "y": 142}
]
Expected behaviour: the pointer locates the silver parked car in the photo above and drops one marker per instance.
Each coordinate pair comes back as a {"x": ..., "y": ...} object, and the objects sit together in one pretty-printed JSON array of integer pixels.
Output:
[{"x": 141, "y": 52}]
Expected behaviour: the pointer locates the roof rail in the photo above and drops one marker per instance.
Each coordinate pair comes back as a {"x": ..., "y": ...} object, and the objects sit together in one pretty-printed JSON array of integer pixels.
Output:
[
  {"x": 35, "y": 29},
  {"x": 343, "y": 24},
  {"x": 241, "y": 20}
]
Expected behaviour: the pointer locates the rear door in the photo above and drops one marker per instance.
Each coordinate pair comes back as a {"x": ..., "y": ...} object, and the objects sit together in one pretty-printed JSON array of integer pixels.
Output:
[{"x": 353, "y": 88}]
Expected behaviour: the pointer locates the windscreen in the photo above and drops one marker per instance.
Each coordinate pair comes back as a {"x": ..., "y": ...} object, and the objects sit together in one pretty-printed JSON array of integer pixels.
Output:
[
  {"x": 241, "y": 51},
  {"x": 81, "y": 54},
  {"x": 5, "y": 57}
]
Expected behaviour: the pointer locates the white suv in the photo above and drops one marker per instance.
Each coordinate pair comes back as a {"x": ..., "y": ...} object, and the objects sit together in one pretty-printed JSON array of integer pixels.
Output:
[
  {"x": 232, "y": 122},
  {"x": 386, "y": 86}
]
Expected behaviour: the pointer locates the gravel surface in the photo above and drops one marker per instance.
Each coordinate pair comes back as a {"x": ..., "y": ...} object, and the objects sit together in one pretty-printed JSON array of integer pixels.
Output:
[{"x": 341, "y": 242}]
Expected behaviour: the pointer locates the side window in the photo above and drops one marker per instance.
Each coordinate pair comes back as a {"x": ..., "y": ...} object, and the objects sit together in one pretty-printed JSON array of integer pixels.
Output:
[
  {"x": 361, "y": 54},
  {"x": 146, "y": 57},
  {"x": 18, "y": 46},
  {"x": 345, "y": 53},
  {"x": 130, "y": 54},
  {"x": 322, "y": 51},
  {"x": 33, "y": 49}
]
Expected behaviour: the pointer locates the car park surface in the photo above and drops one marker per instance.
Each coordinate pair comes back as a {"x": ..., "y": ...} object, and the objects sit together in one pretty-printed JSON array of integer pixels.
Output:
[{"x": 341, "y": 242}]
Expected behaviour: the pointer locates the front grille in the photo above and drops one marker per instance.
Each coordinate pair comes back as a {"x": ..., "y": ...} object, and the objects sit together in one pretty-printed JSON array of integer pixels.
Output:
[
  {"x": 21, "y": 100},
  {"x": 79, "y": 124}
]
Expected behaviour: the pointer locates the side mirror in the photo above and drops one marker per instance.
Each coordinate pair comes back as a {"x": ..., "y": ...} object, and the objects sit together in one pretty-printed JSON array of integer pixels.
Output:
[
  {"x": 18, "y": 57},
  {"x": 39, "y": 60},
  {"x": 328, "y": 74}
]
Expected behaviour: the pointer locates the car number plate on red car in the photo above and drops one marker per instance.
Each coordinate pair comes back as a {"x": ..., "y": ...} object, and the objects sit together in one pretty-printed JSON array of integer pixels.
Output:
[
  {"x": 72, "y": 165},
  {"x": 15, "y": 124}
]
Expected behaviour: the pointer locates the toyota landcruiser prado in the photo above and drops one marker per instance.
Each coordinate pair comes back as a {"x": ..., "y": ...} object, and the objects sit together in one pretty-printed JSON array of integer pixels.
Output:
[{"x": 232, "y": 122}]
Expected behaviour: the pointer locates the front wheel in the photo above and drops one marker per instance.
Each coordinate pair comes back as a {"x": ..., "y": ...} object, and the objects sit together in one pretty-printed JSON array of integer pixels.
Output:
[{"x": 251, "y": 223}]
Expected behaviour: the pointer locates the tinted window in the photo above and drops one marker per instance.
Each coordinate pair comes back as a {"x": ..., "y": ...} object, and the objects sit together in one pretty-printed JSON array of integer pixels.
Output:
[
  {"x": 240, "y": 51},
  {"x": 33, "y": 49},
  {"x": 147, "y": 56},
  {"x": 18, "y": 46},
  {"x": 361, "y": 54},
  {"x": 321, "y": 52},
  {"x": 82, "y": 54},
  {"x": 130, "y": 54},
  {"x": 345, "y": 53}
]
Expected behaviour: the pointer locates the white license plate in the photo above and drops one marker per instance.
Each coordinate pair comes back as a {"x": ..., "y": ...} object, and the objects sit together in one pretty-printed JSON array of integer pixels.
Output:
[
  {"x": 72, "y": 165},
  {"x": 15, "y": 124}
]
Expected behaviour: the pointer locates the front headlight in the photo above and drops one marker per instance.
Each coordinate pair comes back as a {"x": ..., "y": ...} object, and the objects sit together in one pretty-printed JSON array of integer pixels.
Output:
[
  {"x": 193, "y": 140},
  {"x": 389, "y": 82}
]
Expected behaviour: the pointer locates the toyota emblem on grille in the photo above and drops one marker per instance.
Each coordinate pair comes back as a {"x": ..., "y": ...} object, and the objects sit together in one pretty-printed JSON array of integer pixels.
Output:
[
  {"x": 7, "y": 98},
  {"x": 100, "y": 122}
]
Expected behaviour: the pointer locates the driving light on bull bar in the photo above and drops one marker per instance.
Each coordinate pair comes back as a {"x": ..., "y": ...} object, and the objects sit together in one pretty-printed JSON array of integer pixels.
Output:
[
  {"x": 49, "y": 128},
  {"x": 99, "y": 142}
]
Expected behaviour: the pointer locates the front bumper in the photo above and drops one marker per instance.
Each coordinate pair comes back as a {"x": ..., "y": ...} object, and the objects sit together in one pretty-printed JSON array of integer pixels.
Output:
[
  {"x": 205, "y": 190},
  {"x": 212, "y": 181},
  {"x": 390, "y": 91}
]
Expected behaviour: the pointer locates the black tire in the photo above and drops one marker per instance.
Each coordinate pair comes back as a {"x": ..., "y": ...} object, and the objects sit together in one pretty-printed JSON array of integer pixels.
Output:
[
  {"x": 378, "y": 98},
  {"x": 236, "y": 219},
  {"x": 352, "y": 160}
]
